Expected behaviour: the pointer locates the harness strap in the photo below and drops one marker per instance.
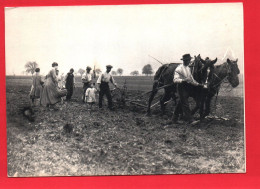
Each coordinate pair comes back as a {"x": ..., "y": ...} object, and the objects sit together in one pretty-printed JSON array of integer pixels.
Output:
[{"x": 221, "y": 80}]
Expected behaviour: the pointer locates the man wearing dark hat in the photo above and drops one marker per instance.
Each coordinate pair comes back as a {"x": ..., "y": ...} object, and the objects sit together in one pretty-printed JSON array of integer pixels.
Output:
[
  {"x": 86, "y": 80},
  {"x": 69, "y": 83},
  {"x": 184, "y": 78},
  {"x": 103, "y": 87}
]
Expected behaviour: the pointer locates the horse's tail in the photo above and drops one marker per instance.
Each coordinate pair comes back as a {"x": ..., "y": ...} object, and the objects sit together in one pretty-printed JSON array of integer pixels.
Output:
[{"x": 157, "y": 83}]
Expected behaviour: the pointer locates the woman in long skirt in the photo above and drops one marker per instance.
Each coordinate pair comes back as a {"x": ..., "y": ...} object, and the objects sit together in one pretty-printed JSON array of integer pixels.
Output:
[
  {"x": 36, "y": 89},
  {"x": 50, "y": 94}
]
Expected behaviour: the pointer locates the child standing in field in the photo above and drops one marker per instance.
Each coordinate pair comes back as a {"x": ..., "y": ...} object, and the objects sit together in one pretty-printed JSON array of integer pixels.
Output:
[
  {"x": 36, "y": 89},
  {"x": 91, "y": 95}
]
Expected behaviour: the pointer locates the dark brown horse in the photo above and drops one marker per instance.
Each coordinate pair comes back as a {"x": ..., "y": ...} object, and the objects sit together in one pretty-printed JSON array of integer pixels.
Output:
[
  {"x": 228, "y": 70},
  {"x": 200, "y": 94},
  {"x": 164, "y": 77}
]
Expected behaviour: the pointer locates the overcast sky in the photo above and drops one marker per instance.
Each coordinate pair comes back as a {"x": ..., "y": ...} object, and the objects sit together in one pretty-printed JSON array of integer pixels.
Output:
[{"x": 123, "y": 36}]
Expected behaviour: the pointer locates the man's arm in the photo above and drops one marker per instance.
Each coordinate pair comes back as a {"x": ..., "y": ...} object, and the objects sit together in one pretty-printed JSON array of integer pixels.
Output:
[
  {"x": 113, "y": 81},
  {"x": 83, "y": 78},
  {"x": 99, "y": 82},
  {"x": 194, "y": 82}
]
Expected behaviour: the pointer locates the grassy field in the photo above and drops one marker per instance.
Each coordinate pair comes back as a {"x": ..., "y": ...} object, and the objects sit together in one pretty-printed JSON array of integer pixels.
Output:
[{"x": 121, "y": 142}]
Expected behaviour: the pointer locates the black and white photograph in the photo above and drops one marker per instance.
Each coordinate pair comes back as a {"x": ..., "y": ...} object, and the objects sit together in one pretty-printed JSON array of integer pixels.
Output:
[{"x": 125, "y": 90}]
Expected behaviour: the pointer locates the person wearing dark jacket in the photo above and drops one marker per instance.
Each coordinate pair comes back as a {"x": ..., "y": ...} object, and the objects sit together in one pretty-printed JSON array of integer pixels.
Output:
[
  {"x": 69, "y": 83},
  {"x": 103, "y": 87}
]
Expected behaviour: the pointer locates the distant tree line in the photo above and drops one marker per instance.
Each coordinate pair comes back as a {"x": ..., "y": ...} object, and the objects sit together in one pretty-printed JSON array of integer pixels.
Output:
[{"x": 147, "y": 70}]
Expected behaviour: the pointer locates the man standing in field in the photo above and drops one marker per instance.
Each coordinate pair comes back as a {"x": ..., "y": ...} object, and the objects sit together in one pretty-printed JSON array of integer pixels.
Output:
[
  {"x": 69, "y": 84},
  {"x": 103, "y": 87},
  {"x": 86, "y": 80},
  {"x": 184, "y": 78}
]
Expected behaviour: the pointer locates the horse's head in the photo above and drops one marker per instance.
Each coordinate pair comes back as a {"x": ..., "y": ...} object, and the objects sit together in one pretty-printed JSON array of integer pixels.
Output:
[
  {"x": 203, "y": 69},
  {"x": 196, "y": 67},
  {"x": 233, "y": 71},
  {"x": 207, "y": 69}
]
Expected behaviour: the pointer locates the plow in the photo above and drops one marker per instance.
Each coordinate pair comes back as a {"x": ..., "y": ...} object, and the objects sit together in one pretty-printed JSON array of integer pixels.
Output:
[{"x": 123, "y": 97}]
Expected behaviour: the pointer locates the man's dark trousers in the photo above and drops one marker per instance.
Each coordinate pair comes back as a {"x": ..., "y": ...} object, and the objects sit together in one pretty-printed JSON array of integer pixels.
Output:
[
  {"x": 104, "y": 90},
  {"x": 183, "y": 103},
  {"x": 69, "y": 92}
]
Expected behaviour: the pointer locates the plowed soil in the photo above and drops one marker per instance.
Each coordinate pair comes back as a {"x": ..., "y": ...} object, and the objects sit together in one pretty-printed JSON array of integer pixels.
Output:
[{"x": 77, "y": 141}]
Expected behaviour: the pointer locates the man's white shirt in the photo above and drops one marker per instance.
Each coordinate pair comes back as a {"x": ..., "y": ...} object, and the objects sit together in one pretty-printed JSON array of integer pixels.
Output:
[
  {"x": 183, "y": 72},
  {"x": 86, "y": 77},
  {"x": 106, "y": 77}
]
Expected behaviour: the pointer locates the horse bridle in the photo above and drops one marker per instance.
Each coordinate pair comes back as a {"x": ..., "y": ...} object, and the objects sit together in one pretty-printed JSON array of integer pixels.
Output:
[
  {"x": 221, "y": 80},
  {"x": 200, "y": 71}
]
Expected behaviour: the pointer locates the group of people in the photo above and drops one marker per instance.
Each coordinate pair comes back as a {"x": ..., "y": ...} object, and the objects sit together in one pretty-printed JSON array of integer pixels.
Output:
[
  {"x": 51, "y": 90},
  {"x": 103, "y": 81},
  {"x": 46, "y": 92}
]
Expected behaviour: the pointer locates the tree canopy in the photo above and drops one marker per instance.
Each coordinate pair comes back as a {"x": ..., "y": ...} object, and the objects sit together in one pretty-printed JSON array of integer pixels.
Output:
[
  {"x": 30, "y": 67},
  {"x": 81, "y": 71},
  {"x": 114, "y": 73},
  {"x": 120, "y": 71},
  {"x": 147, "y": 69},
  {"x": 135, "y": 73}
]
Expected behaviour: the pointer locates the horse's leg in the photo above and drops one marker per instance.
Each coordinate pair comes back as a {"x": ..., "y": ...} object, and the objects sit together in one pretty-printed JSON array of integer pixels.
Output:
[
  {"x": 197, "y": 106},
  {"x": 202, "y": 104},
  {"x": 197, "y": 98},
  {"x": 207, "y": 105},
  {"x": 165, "y": 98},
  {"x": 151, "y": 97},
  {"x": 173, "y": 94}
]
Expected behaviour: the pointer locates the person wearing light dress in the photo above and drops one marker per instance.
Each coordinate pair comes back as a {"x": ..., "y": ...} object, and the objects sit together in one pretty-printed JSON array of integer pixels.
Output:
[{"x": 90, "y": 95}]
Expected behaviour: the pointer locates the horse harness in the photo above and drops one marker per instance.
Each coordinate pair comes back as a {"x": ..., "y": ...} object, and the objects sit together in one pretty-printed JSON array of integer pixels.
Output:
[{"x": 220, "y": 82}]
